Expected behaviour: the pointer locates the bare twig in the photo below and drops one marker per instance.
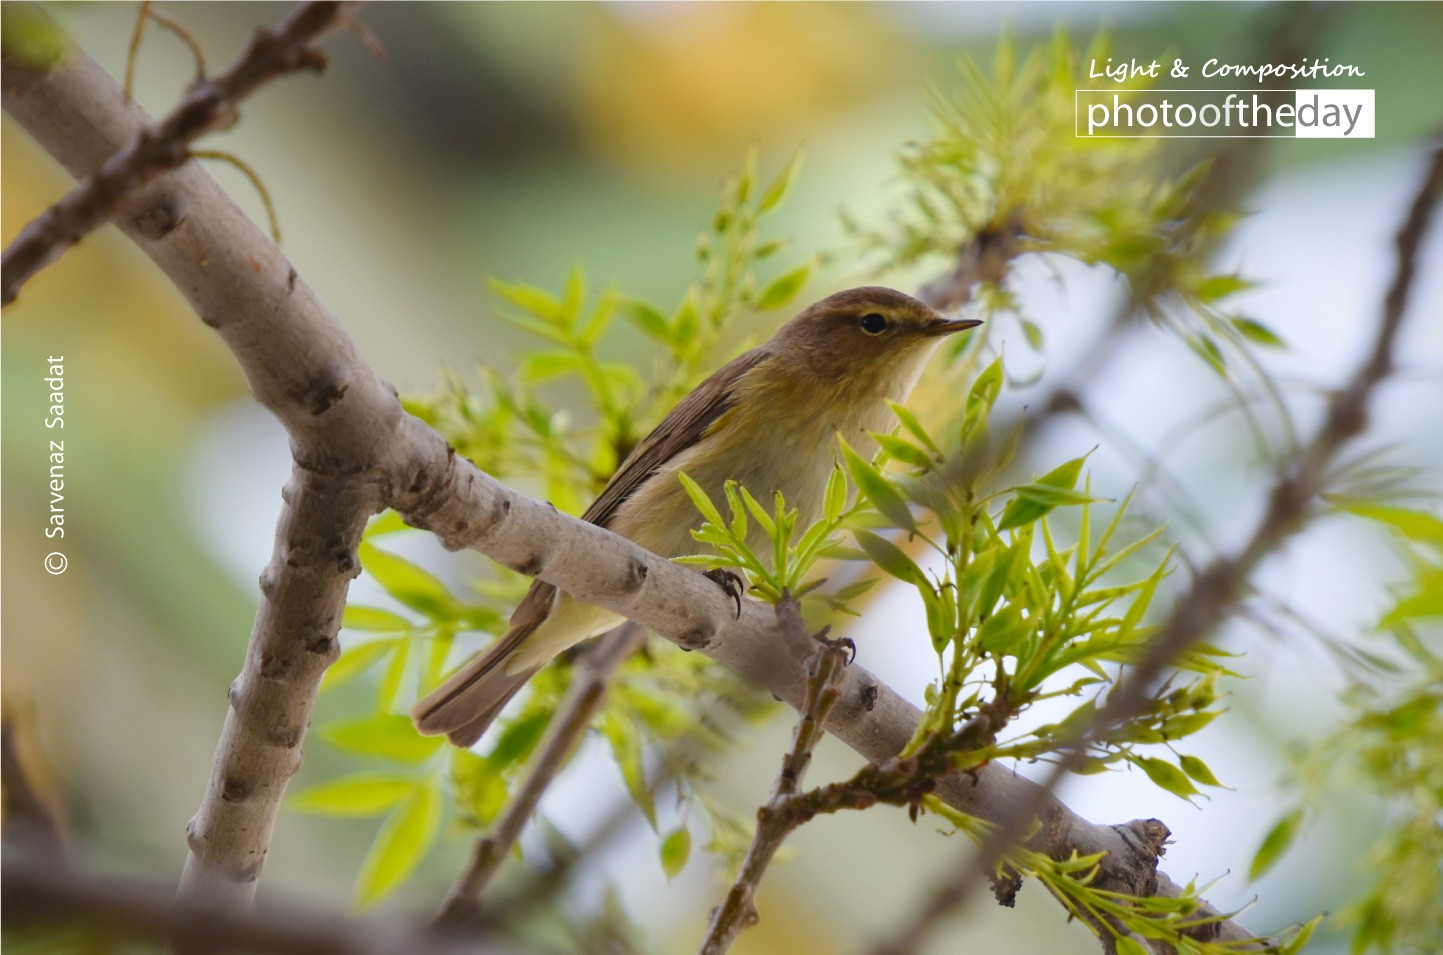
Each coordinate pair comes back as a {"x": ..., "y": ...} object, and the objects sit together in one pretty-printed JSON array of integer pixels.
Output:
[
  {"x": 583, "y": 701},
  {"x": 209, "y": 104},
  {"x": 39, "y": 892},
  {"x": 984, "y": 259},
  {"x": 1221, "y": 585},
  {"x": 149, "y": 12},
  {"x": 776, "y": 820}
]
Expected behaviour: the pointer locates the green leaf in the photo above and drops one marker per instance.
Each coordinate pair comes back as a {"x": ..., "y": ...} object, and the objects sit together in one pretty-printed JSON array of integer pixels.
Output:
[
  {"x": 1210, "y": 352},
  {"x": 1167, "y": 776},
  {"x": 543, "y": 366},
  {"x": 1033, "y": 333},
  {"x": 1427, "y": 602},
  {"x": 357, "y": 659},
  {"x": 1004, "y": 632},
  {"x": 480, "y": 789},
  {"x": 905, "y": 451},
  {"x": 364, "y": 794},
  {"x": 1276, "y": 842},
  {"x": 1052, "y": 496},
  {"x": 780, "y": 185},
  {"x": 387, "y": 735},
  {"x": 675, "y": 849},
  {"x": 1216, "y": 287},
  {"x": 1258, "y": 333},
  {"x": 781, "y": 289},
  {"x": 835, "y": 498},
  {"x": 374, "y": 620},
  {"x": 1198, "y": 770},
  {"x": 411, "y": 585},
  {"x": 1414, "y": 525},
  {"x": 914, "y": 427},
  {"x": 646, "y": 317},
  {"x": 32, "y": 40},
  {"x": 1053, "y": 489},
  {"x": 699, "y": 498},
  {"x": 877, "y": 488},
  {"x": 1129, "y": 945},
  {"x": 988, "y": 385},
  {"x": 518, "y": 740},
  {"x": 388, "y": 692},
  {"x": 891, "y": 558},
  {"x": 542, "y": 304},
  {"x": 626, "y": 749},
  {"x": 575, "y": 291},
  {"x": 404, "y": 839},
  {"x": 1065, "y": 474}
]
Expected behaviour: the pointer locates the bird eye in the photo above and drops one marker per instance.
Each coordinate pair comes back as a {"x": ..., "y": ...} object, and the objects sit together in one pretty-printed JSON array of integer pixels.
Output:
[{"x": 873, "y": 323}]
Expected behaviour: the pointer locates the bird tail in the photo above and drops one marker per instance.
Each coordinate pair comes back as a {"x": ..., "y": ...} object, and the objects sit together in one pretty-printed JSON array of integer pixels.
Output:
[{"x": 465, "y": 705}]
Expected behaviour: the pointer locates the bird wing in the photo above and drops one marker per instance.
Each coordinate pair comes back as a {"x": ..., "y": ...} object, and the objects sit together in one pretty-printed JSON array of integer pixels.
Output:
[{"x": 679, "y": 430}]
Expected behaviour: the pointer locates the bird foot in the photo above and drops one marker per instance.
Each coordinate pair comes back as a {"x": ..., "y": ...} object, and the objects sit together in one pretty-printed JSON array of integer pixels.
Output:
[
  {"x": 841, "y": 643},
  {"x": 731, "y": 584}
]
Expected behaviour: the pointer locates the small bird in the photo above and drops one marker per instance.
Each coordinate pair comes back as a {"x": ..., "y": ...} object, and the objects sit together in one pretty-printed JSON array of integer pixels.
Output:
[{"x": 768, "y": 419}]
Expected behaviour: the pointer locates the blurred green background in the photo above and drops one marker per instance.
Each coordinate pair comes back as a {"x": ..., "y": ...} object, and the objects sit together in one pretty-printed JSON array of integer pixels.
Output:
[{"x": 514, "y": 140}]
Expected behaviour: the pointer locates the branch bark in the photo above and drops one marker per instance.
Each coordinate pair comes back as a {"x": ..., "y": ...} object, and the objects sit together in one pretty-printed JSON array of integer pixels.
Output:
[{"x": 356, "y": 450}]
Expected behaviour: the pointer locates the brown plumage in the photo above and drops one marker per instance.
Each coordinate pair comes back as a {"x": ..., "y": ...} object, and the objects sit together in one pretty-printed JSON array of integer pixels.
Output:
[{"x": 768, "y": 419}]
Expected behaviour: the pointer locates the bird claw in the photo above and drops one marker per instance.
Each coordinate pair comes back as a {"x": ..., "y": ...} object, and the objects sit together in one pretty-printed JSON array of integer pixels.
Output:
[
  {"x": 841, "y": 643},
  {"x": 730, "y": 582}
]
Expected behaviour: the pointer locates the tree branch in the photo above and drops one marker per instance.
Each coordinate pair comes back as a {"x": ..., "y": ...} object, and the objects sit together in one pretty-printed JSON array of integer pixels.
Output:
[
  {"x": 303, "y": 595},
  {"x": 159, "y": 146},
  {"x": 37, "y": 892},
  {"x": 569, "y": 723},
  {"x": 351, "y": 436}
]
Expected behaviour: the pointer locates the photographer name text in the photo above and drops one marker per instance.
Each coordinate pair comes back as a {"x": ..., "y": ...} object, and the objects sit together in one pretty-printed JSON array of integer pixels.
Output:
[{"x": 55, "y": 561}]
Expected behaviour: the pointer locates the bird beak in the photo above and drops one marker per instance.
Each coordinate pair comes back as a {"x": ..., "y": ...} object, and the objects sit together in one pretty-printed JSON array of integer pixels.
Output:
[{"x": 938, "y": 327}]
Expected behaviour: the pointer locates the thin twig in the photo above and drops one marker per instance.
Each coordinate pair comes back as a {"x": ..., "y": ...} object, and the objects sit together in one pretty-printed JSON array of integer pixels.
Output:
[
  {"x": 776, "y": 820},
  {"x": 583, "y": 701},
  {"x": 1219, "y": 587},
  {"x": 149, "y": 12},
  {"x": 209, "y": 104},
  {"x": 245, "y": 169}
]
